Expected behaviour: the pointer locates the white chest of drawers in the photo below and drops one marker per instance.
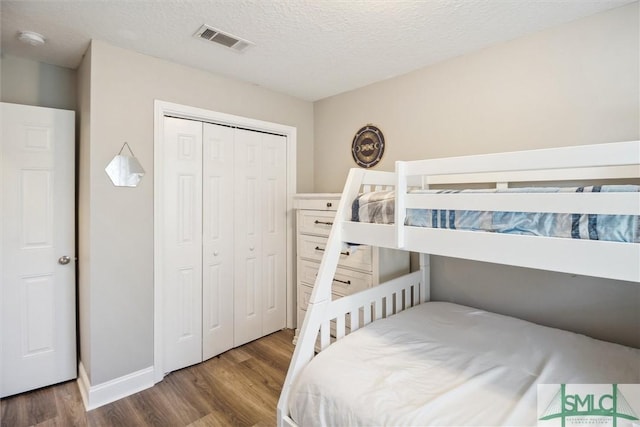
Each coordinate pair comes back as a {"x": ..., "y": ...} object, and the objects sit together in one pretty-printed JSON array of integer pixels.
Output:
[{"x": 357, "y": 269}]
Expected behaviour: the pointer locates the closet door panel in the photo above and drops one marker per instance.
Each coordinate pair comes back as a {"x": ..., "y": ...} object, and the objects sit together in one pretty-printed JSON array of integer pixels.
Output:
[
  {"x": 248, "y": 239},
  {"x": 274, "y": 202},
  {"x": 217, "y": 240},
  {"x": 183, "y": 260}
]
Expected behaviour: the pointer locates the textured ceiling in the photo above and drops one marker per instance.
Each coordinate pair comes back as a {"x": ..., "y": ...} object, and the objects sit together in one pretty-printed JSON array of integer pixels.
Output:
[{"x": 309, "y": 49}]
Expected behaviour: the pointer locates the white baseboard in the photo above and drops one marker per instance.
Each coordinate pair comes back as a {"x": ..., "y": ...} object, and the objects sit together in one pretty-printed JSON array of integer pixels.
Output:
[{"x": 101, "y": 394}]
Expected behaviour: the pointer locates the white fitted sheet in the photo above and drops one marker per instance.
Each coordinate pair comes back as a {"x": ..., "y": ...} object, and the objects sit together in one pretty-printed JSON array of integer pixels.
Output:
[{"x": 450, "y": 365}]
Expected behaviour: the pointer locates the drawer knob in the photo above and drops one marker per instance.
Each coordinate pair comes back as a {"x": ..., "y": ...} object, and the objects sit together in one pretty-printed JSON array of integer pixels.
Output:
[{"x": 329, "y": 204}]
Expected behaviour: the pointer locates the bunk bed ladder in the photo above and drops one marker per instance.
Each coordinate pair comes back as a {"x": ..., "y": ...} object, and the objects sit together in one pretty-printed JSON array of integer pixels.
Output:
[{"x": 315, "y": 320}]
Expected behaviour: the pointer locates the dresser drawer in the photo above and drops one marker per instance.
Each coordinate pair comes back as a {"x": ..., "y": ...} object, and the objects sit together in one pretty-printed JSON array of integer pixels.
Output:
[
  {"x": 345, "y": 282},
  {"x": 315, "y": 222},
  {"x": 313, "y": 247},
  {"x": 319, "y": 202}
]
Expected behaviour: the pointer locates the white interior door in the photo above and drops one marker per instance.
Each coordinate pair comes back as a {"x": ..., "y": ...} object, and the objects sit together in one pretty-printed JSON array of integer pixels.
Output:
[
  {"x": 37, "y": 329},
  {"x": 217, "y": 243},
  {"x": 182, "y": 269}
]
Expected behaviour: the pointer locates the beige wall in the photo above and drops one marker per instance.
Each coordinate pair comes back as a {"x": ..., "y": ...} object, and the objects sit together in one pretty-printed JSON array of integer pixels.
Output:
[
  {"x": 119, "y": 240},
  {"x": 24, "y": 81},
  {"x": 574, "y": 84}
]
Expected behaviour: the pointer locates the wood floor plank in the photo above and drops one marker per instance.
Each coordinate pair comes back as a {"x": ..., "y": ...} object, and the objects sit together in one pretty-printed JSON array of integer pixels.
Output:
[
  {"x": 117, "y": 414},
  {"x": 14, "y": 411},
  {"x": 239, "y": 354},
  {"x": 248, "y": 386},
  {"x": 23, "y": 410},
  {"x": 185, "y": 398},
  {"x": 43, "y": 407},
  {"x": 153, "y": 407},
  {"x": 270, "y": 377},
  {"x": 228, "y": 397},
  {"x": 212, "y": 419},
  {"x": 274, "y": 356},
  {"x": 71, "y": 410},
  {"x": 238, "y": 388}
]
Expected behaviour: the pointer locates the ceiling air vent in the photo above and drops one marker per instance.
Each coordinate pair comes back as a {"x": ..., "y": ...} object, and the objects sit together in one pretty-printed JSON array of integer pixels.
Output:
[{"x": 214, "y": 35}]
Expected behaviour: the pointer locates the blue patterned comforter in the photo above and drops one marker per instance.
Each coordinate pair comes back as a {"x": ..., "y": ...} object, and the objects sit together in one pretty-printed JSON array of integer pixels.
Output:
[{"x": 378, "y": 207}]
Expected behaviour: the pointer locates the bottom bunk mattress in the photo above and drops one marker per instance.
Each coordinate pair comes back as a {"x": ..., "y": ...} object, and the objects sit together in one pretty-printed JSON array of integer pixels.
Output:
[{"x": 444, "y": 364}]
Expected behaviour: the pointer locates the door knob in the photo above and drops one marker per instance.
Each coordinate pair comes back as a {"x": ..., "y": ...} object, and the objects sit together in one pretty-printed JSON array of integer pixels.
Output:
[{"x": 64, "y": 260}]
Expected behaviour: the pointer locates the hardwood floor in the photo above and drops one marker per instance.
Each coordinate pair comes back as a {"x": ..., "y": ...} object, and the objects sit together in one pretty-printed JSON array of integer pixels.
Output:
[{"x": 238, "y": 388}]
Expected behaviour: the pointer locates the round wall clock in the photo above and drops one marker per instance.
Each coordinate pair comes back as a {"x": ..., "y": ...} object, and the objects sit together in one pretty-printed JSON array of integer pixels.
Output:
[{"x": 368, "y": 146}]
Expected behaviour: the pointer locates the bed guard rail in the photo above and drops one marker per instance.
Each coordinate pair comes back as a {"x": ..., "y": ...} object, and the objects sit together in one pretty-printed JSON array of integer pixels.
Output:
[{"x": 569, "y": 165}]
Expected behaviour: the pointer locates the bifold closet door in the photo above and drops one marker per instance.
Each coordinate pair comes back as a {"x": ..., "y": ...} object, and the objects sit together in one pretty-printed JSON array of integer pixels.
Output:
[
  {"x": 217, "y": 239},
  {"x": 198, "y": 272},
  {"x": 274, "y": 233},
  {"x": 182, "y": 269},
  {"x": 260, "y": 234},
  {"x": 224, "y": 261}
]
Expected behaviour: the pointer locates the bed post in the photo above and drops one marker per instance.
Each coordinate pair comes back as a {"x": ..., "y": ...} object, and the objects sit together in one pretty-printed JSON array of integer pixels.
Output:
[
  {"x": 425, "y": 280},
  {"x": 400, "y": 207}
]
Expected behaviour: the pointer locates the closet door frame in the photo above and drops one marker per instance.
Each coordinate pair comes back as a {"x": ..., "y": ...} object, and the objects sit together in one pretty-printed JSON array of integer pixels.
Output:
[{"x": 162, "y": 109}]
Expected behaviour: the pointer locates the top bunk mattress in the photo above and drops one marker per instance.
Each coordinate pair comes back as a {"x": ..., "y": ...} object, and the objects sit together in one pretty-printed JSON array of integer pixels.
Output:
[
  {"x": 446, "y": 364},
  {"x": 379, "y": 207}
]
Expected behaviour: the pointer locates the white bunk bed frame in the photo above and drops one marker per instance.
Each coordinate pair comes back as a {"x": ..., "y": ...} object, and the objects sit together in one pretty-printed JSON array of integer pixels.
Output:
[{"x": 584, "y": 257}]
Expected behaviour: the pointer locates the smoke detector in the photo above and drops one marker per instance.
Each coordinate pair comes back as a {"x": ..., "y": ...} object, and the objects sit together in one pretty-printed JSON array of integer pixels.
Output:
[
  {"x": 214, "y": 35},
  {"x": 32, "y": 38}
]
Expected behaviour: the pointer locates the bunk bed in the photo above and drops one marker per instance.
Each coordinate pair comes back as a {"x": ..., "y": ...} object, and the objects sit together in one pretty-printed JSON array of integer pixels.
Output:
[{"x": 388, "y": 356}]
